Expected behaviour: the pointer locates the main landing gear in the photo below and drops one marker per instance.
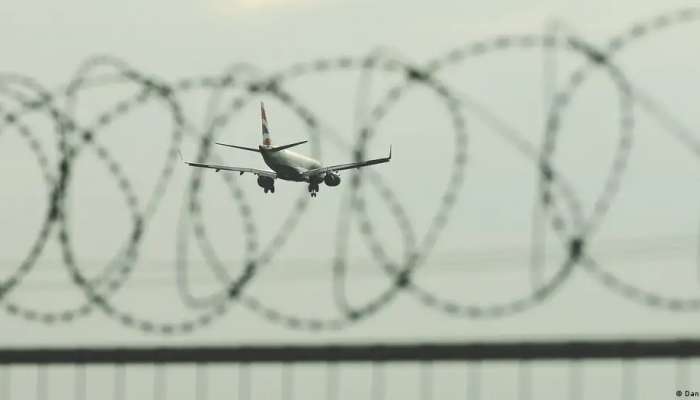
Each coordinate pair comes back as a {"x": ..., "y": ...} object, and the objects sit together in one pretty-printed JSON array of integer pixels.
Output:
[
  {"x": 313, "y": 189},
  {"x": 267, "y": 183}
]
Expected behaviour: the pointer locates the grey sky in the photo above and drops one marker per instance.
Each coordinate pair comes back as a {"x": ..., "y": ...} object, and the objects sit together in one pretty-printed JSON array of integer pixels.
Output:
[{"x": 649, "y": 237}]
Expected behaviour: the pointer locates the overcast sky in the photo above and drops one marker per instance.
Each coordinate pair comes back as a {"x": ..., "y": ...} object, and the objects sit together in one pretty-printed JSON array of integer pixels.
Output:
[{"x": 648, "y": 237}]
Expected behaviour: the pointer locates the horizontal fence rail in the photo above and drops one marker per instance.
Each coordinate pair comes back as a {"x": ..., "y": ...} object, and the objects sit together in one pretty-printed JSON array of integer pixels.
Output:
[
  {"x": 563, "y": 350},
  {"x": 576, "y": 370}
]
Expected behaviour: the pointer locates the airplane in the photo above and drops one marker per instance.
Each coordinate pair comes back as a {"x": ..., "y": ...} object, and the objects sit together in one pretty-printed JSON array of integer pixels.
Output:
[{"x": 288, "y": 165}]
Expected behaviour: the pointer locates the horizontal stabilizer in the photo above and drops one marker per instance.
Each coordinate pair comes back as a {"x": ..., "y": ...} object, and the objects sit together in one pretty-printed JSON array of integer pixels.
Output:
[
  {"x": 239, "y": 147},
  {"x": 286, "y": 146}
]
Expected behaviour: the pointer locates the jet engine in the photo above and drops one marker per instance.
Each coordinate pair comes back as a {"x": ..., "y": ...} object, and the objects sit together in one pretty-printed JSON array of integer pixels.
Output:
[
  {"x": 331, "y": 179},
  {"x": 266, "y": 183}
]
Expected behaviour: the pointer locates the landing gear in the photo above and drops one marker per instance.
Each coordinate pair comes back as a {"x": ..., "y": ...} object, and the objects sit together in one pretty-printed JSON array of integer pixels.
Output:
[
  {"x": 268, "y": 184},
  {"x": 313, "y": 189}
]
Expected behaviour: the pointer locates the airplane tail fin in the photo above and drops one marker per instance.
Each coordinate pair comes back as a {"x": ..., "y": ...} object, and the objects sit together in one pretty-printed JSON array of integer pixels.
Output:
[
  {"x": 265, "y": 130},
  {"x": 267, "y": 143}
]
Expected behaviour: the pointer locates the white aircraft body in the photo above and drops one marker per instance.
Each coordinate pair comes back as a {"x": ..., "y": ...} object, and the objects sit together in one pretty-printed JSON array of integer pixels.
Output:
[{"x": 288, "y": 165}]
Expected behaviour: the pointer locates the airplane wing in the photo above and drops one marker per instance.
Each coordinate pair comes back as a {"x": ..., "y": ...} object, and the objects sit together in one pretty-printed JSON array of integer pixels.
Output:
[
  {"x": 340, "y": 167},
  {"x": 241, "y": 170}
]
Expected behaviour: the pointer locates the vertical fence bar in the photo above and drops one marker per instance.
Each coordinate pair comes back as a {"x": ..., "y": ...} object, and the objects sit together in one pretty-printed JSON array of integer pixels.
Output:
[
  {"x": 332, "y": 381},
  {"x": 80, "y": 382},
  {"x": 629, "y": 380},
  {"x": 244, "y": 381},
  {"x": 474, "y": 380},
  {"x": 201, "y": 381},
  {"x": 287, "y": 386},
  {"x": 5, "y": 383},
  {"x": 524, "y": 380},
  {"x": 575, "y": 380},
  {"x": 160, "y": 382},
  {"x": 682, "y": 374},
  {"x": 426, "y": 380},
  {"x": 119, "y": 382},
  {"x": 42, "y": 392},
  {"x": 377, "y": 381}
]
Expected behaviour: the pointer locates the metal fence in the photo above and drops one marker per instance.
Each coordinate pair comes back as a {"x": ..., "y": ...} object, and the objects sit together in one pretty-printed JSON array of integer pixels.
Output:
[{"x": 653, "y": 369}]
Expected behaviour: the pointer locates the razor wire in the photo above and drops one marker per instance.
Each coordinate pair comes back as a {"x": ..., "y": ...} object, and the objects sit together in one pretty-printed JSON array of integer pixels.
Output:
[{"x": 230, "y": 91}]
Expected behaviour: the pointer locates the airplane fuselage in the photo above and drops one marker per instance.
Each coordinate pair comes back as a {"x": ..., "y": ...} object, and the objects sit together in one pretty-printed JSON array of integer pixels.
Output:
[{"x": 289, "y": 165}]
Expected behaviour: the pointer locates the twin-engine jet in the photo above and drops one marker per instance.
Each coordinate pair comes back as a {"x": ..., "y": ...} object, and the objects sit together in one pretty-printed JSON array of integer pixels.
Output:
[{"x": 288, "y": 165}]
